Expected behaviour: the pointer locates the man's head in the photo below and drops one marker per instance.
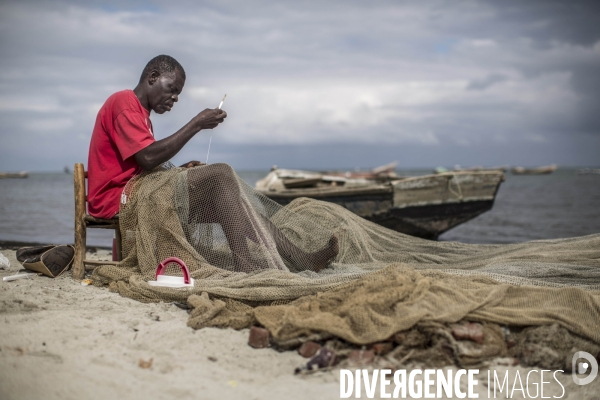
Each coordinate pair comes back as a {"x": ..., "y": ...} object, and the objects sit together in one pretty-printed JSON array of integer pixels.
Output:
[{"x": 162, "y": 81}]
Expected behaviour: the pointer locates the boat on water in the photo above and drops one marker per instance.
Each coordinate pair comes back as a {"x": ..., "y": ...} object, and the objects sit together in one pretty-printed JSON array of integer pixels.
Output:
[
  {"x": 458, "y": 168},
  {"x": 423, "y": 206},
  {"x": 383, "y": 173},
  {"x": 588, "y": 171},
  {"x": 6, "y": 175},
  {"x": 548, "y": 169}
]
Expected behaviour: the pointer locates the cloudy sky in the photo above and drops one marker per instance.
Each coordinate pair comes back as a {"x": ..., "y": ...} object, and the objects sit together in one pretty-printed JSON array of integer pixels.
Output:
[{"x": 313, "y": 84}]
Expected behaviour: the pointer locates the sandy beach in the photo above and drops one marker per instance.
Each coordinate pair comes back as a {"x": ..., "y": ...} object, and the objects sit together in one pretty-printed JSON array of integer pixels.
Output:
[
  {"x": 365, "y": 199},
  {"x": 62, "y": 340}
]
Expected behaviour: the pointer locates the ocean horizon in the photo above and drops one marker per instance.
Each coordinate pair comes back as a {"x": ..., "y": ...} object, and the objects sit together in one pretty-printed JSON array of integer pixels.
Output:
[{"x": 564, "y": 204}]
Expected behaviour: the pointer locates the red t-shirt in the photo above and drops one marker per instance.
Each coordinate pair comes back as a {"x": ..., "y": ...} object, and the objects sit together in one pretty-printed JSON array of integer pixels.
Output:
[{"x": 122, "y": 129}]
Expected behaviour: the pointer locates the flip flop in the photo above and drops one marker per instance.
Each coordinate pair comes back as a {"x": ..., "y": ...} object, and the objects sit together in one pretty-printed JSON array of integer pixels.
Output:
[{"x": 49, "y": 260}]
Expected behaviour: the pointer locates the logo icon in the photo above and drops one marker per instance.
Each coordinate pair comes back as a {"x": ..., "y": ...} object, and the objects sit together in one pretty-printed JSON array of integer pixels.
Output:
[{"x": 583, "y": 367}]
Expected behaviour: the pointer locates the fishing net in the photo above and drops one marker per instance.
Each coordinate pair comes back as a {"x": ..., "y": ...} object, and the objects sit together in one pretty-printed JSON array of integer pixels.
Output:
[{"x": 313, "y": 267}]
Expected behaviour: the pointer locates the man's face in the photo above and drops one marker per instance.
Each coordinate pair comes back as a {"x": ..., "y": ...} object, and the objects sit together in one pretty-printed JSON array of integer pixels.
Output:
[{"x": 164, "y": 90}]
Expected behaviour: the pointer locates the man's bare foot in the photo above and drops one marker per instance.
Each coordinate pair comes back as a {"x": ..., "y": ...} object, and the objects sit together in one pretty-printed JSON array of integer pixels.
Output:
[{"x": 309, "y": 261}]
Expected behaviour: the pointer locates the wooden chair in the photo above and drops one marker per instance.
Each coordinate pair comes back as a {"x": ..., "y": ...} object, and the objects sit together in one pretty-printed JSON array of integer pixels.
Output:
[{"x": 83, "y": 221}]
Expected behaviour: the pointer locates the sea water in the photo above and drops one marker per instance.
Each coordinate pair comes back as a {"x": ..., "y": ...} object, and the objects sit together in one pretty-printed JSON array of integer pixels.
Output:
[{"x": 40, "y": 209}]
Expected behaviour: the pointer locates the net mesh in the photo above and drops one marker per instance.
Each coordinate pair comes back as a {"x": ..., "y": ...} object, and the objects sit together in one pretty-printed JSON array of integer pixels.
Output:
[{"x": 313, "y": 266}]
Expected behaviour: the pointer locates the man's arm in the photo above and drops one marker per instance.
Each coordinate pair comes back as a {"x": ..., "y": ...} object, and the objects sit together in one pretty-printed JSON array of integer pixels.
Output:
[{"x": 165, "y": 149}]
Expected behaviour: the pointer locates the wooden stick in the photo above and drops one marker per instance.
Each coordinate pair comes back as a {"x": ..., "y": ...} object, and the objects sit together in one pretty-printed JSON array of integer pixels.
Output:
[
  {"x": 99, "y": 262},
  {"x": 80, "y": 231},
  {"x": 91, "y": 265}
]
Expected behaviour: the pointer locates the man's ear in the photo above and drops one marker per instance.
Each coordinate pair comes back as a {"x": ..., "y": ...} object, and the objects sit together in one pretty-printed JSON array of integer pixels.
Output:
[{"x": 153, "y": 77}]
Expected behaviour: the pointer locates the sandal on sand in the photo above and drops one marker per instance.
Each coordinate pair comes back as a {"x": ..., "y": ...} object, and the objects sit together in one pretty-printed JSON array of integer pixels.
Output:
[{"x": 49, "y": 260}]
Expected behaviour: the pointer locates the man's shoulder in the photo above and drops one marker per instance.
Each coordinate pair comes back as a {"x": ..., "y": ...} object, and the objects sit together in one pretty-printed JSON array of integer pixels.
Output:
[
  {"x": 121, "y": 101},
  {"x": 122, "y": 95}
]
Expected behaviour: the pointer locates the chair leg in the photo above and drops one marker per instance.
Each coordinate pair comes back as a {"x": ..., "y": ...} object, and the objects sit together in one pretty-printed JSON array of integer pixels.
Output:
[
  {"x": 80, "y": 225},
  {"x": 119, "y": 248},
  {"x": 80, "y": 246}
]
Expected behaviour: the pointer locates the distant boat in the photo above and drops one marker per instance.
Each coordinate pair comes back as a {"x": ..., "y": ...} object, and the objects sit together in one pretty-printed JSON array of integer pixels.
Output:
[
  {"x": 502, "y": 168},
  {"x": 534, "y": 171},
  {"x": 382, "y": 173},
  {"x": 588, "y": 171},
  {"x": 22, "y": 174},
  {"x": 423, "y": 206},
  {"x": 458, "y": 168}
]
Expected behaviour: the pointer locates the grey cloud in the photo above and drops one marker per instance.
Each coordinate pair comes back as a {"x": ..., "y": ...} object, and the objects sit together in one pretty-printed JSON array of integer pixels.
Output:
[
  {"x": 351, "y": 73},
  {"x": 482, "y": 84},
  {"x": 545, "y": 21}
]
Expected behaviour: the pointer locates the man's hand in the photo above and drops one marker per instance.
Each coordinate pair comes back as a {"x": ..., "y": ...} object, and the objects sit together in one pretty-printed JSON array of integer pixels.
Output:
[
  {"x": 164, "y": 149},
  {"x": 209, "y": 118},
  {"x": 191, "y": 164}
]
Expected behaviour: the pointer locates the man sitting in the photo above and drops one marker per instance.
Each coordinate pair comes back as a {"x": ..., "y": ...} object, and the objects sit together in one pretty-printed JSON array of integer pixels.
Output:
[
  {"x": 123, "y": 143},
  {"x": 123, "y": 146}
]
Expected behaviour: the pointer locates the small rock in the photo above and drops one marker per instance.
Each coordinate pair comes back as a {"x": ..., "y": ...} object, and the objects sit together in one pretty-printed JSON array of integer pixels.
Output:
[
  {"x": 145, "y": 364},
  {"x": 399, "y": 337},
  {"x": 381, "y": 349},
  {"x": 470, "y": 331},
  {"x": 324, "y": 358},
  {"x": 259, "y": 338},
  {"x": 309, "y": 349},
  {"x": 361, "y": 357}
]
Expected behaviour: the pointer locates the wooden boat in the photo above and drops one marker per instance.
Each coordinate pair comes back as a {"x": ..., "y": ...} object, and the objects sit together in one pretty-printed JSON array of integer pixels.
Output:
[
  {"x": 534, "y": 171},
  {"x": 423, "y": 206},
  {"x": 22, "y": 174},
  {"x": 383, "y": 173},
  {"x": 457, "y": 168},
  {"x": 478, "y": 168}
]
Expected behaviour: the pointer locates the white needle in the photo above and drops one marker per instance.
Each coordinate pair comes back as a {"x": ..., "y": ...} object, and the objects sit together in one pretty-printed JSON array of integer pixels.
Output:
[{"x": 221, "y": 104}]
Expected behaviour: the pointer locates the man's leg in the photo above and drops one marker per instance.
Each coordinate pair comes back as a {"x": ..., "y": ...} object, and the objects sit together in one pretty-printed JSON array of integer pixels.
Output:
[{"x": 214, "y": 197}]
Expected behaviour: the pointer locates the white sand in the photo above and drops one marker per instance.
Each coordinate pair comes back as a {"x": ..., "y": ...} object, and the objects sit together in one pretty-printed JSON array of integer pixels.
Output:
[{"x": 61, "y": 340}]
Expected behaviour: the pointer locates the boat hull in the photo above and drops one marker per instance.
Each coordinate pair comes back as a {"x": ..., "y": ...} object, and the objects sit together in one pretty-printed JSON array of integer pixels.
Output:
[
  {"x": 14, "y": 175},
  {"x": 534, "y": 171},
  {"x": 424, "y": 206},
  {"x": 430, "y": 221}
]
